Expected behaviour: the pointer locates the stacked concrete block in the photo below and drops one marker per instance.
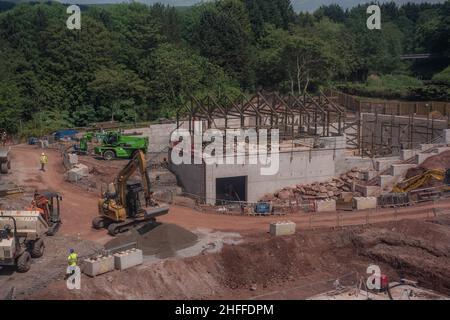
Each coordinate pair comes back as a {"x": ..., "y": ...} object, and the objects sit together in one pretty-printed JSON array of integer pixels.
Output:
[
  {"x": 96, "y": 266},
  {"x": 421, "y": 157},
  {"x": 325, "y": 205},
  {"x": 405, "y": 154},
  {"x": 78, "y": 172},
  {"x": 73, "y": 159},
  {"x": 362, "y": 203},
  {"x": 385, "y": 163},
  {"x": 282, "y": 228},
  {"x": 127, "y": 259},
  {"x": 426, "y": 146}
]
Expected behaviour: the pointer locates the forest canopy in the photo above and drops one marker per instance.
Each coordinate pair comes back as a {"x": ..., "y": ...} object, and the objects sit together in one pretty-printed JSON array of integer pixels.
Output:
[{"x": 133, "y": 62}]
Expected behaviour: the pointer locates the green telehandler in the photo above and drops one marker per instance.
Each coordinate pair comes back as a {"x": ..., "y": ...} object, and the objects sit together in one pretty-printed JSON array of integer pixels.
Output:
[{"x": 117, "y": 145}]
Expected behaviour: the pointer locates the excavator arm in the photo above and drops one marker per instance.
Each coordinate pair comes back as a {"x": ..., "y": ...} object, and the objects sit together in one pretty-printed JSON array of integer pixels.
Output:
[
  {"x": 137, "y": 162},
  {"x": 416, "y": 182}
]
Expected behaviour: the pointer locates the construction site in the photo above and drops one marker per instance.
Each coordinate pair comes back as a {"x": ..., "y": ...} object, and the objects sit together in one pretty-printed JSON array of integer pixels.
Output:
[{"x": 357, "y": 185}]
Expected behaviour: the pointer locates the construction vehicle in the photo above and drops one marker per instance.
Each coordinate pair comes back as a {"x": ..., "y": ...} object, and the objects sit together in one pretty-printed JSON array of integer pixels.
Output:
[
  {"x": 5, "y": 161},
  {"x": 47, "y": 203},
  {"x": 127, "y": 204},
  {"x": 117, "y": 145},
  {"x": 417, "y": 181},
  {"x": 21, "y": 238}
]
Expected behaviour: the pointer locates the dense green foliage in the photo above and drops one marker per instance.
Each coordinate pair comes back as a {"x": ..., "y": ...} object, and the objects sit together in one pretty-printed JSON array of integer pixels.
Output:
[{"x": 132, "y": 62}]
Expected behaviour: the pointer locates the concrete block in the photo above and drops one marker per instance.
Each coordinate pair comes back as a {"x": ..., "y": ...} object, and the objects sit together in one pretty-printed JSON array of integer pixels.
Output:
[
  {"x": 385, "y": 163},
  {"x": 94, "y": 267},
  {"x": 369, "y": 175},
  {"x": 442, "y": 149},
  {"x": 401, "y": 168},
  {"x": 127, "y": 259},
  {"x": 421, "y": 157},
  {"x": 406, "y": 154},
  {"x": 77, "y": 172},
  {"x": 73, "y": 159},
  {"x": 386, "y": 182},
  {"x": 362, "y": 203},
  {"x": 282, "y": 228},
  {"x": 446, "y": 135},
  {"x": 368, "y": 191},
  {"x": 325, "y": 205},
  {"x": 426, "y": 146}
]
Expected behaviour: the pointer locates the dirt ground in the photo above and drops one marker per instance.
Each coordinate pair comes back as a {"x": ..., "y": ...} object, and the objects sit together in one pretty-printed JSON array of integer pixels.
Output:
[{"x": 232, "y": 256}]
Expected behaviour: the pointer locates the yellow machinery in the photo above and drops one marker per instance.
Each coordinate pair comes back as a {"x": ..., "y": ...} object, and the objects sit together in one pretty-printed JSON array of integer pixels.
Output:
[
  {"x": 126, "y": 204},
  {"x": 419, "y": 180}
]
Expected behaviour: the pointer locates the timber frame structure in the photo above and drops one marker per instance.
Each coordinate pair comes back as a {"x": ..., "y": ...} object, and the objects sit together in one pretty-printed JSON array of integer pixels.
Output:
[{"x": 294, "y": 116}]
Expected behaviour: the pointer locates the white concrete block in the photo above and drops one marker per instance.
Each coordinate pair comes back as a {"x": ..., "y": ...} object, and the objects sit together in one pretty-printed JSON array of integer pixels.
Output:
[
  {"x": 442, "y": 149},
  {"x": 387, "y": 182},
  {"x": 426, "y": 146},
  {"x": 282, "y": 228},
  {"x": 325, "y": 205},
  {"x": 127, "y": 259},
  {"x": 73, "y": 158},
  {"x": 361, "y": 203},
  {"x": 405, "y": 154},
  {"x": 383, "y": 164},
  {"x": 94, "y": 267},
  {"x": 421, "y": 157},
  {"x": 368, "y": 191},
  {"x": 77, "y": 172}
]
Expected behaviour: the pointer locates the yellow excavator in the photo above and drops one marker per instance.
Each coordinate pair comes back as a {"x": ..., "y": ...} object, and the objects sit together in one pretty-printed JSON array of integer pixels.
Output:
[
  {"x": 416, "y": 182},
  {"x": 127, "y": 204}
]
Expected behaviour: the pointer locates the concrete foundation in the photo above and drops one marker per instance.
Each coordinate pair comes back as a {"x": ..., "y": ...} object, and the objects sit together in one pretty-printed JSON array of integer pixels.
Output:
[
  {"x": 282, "y": 228},
  {"x": 95, "y": 267},
  {"x": 127, "y": 259},
  {"x": 362, "y": 203}
]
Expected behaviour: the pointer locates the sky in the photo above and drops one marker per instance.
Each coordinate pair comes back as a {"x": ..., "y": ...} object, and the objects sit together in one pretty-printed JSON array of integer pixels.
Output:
[{"x": 298, "y": 5}]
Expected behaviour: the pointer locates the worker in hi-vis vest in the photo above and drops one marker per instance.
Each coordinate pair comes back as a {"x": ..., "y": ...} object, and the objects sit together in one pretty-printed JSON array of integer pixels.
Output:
[
  {"x": 43, "y": 160},
  {"x": 72, "y": 259}
]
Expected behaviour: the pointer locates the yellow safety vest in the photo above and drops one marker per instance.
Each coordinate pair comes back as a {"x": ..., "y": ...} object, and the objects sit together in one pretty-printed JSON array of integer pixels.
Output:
[
  {"x": 44, "y": 159},
  {"x": 72, "y": 259}
]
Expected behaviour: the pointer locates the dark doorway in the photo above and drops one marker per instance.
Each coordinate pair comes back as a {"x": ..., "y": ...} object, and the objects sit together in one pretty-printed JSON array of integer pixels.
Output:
[{"x": 231, "y": 189}]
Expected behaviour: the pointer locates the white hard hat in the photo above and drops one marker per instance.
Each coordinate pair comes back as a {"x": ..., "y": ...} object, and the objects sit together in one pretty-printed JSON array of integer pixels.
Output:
[{"x": 43, "y": 154}]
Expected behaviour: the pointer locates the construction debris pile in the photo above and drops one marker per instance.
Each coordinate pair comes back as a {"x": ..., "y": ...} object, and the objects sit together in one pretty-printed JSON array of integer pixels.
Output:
[{"x": 338, "y": 187}]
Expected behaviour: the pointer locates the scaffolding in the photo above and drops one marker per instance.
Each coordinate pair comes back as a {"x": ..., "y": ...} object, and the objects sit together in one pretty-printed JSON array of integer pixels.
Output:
[{"x": 294, "y": 116}]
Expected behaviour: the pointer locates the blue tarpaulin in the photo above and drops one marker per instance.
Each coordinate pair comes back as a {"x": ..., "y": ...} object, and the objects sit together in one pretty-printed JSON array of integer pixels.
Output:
[{"x": 67, "y": 133}]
